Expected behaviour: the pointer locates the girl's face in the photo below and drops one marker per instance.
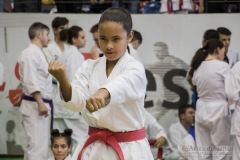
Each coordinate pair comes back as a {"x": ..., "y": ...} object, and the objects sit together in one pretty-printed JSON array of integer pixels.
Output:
[
  {"x": 221, "y": 53},
  {"x": 80, "y": 41},
  {"x": 60, "y": 148},
  {"x": 113, "y": 40}
]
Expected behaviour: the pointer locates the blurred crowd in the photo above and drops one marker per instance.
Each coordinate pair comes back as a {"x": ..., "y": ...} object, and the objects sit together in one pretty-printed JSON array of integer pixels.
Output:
[{"x": 134, "y": 6}]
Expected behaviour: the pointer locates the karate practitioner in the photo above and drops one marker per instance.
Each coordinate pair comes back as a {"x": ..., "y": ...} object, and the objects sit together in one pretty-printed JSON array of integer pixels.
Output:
[
  {"x": 61, "y": 143},
  {"x": 72, "y": 59},
  {"x": 233, "y": 57},
  {"x": 232, "y": 88},
  {"x": 109, "y": 92},
  {"x": 95, "y": 51},
  {"x": 58, "y": 45},
  {"x": 225, "y": 37},
  {"x": 179, "y": 135},
  {"x": 134, "y": 44},
  {"x": 212, "y": 123},
  {"x": 37, "y": 87}
]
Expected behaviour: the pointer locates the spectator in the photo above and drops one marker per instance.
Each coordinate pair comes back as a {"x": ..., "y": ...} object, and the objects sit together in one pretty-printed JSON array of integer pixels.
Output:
[{"x": 179, "y": 136}]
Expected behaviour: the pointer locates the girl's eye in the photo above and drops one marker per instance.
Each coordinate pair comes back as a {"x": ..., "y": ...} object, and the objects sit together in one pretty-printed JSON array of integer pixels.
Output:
[
  {"x": 102, "y": 39},
  {"x": 116, "y": 39}
]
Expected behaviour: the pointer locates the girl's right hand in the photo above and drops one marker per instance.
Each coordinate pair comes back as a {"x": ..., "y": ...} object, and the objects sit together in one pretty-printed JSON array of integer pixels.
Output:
[{"x": 57, "y": 69}]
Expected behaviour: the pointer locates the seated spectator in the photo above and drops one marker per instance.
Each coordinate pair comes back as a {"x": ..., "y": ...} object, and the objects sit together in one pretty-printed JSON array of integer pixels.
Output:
[
  {"x": 179, "y": 135},
  {"x": 61, "y": 144}
]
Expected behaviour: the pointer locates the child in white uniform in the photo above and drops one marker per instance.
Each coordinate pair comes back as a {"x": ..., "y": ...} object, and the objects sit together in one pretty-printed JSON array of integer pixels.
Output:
[{"x": 110, "y": 93}]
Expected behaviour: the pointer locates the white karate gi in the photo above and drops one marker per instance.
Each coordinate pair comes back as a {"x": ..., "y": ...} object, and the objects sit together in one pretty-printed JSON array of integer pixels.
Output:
[
  {"x": 179, "y": 138},
  {"x": 233, "y": 57},
  {"x": 134, "y": 53},
  {"x": 232, "y": 88},
  {"x": 53, "y": 51},
  {"x": 73, "y": 59},
  {"x": 125, "y": 111},
  {"x": 155, "y": 131},
  {"x": 1, "y": 73},
  {"x": 33, "y": 69},
  {"x": 67, "y": 158},
  {"x": 212, "y": 121}
]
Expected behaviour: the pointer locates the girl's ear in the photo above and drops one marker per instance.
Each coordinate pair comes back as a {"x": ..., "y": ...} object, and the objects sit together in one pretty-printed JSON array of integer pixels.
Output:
[
  {"x": 130, "y": 36},
  {"x": 217, "y": 50},
  {"x": 74, "y": 40}
]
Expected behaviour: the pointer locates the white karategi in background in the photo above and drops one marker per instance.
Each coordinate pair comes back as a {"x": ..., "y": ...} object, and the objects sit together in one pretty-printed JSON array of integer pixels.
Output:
[
  {"x": 212, "y": 120},
  {"x": 33, "y": 69},
  {"x": 155, "y": 131},
  {"x": 125, "y": 111},
  {"x": 232, "y": 88},
  {"x": 73, "y": 59},
  {"x": 180, "y": 138}
]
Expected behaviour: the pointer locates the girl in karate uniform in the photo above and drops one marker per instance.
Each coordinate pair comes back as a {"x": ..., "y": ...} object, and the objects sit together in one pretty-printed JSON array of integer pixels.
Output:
[{"x": 109, "y": 92}]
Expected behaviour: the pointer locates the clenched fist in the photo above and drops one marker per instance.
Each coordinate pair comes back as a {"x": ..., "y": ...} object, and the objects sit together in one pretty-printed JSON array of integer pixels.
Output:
[{"x": 57, "y": 69}]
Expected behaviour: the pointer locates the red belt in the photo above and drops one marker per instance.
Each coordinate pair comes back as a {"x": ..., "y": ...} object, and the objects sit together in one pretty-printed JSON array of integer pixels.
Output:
[
  {"x": 112, "y": 138},
  {"x": 160, "y": 151}
]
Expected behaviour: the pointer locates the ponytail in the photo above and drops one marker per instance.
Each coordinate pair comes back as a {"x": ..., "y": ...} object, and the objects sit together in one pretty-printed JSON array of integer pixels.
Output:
[
  {"x": 202, "y": 53},
  {"x": 68, "y": 34},
  {"x": 199, "y": 56}
]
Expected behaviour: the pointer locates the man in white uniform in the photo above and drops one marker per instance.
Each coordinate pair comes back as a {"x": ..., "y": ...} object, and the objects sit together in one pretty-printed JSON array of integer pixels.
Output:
[
  {"x": 233, "y": 57},
  {"x": 58, "y": 45},
  {"x": 225, "y": 37},
  {"x": 37, "y": 88},
  {"x": 95, "y": 51},
  {"x": 179, "y": 135}
]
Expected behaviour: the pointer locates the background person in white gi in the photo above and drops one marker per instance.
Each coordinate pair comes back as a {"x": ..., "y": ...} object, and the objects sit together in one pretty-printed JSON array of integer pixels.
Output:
[
  {"x": 97, "y": 81},
  {"x": 179, "y": 135},
  {"x": 157, "y": 133},
  {"x": 232, "y": 88},
  {"x": 58, "y": 45},
  {"x": 73, "y": 59},
  {"x": 37, "y": 87},
  {"x": 225, "y": 37},
  {"x": 212, "y": 122},
  {"x": 61, "y": 143},
  {"x": 134, "y": 44},
  {"x": 95, "y": 51}
]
